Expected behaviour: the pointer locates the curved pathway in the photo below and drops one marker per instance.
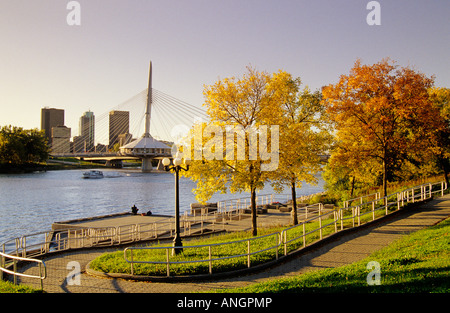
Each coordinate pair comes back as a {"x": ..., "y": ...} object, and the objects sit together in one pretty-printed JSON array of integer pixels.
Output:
[{"x": 346, "y": 249}]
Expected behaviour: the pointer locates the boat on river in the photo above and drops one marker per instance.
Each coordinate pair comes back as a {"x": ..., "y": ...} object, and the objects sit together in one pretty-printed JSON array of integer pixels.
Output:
[{"x": 93, "y": 174}]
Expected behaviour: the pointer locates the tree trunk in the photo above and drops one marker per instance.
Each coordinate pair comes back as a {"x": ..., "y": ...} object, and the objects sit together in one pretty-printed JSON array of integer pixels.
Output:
[
  {"x": 446, "y": 175},
  {"x": 253, "y": 205},
  {"x": 445, "y": 165},
  {"x": 294, "y": 204},
  {"x": 385, "y": 180},
  {"x": 353, "y": 187}
]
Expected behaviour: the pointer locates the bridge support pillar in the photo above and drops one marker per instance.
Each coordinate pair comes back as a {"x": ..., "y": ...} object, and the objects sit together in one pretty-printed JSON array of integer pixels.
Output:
[
  {"x": 160, "y": 166},
  {"x": 114, "y": 163},
  {"x": 147, "y": 165}
]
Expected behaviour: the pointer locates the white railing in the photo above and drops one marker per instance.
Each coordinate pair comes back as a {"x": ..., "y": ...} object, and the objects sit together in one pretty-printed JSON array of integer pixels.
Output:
[
  {"x": 356, "y": 212},
  {"x": 213, "y": 255},
  {"x": 6, "y": 268},
  {"x": 241, "y": 204},
  {"x": 76, "y": 238},
  {"x": 376, "y": 196},
  {"x": 22, "y": 249}
]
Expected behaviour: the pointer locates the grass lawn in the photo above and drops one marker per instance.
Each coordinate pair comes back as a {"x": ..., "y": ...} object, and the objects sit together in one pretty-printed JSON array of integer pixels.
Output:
[
  {"x": 417, "y": 263},
  {"x": 7, "y": 287},
  {"x": 115, "y": 263}
]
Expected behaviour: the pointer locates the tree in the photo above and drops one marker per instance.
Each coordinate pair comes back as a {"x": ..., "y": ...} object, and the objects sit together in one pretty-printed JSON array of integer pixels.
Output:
[
  {"x": 382, "y": 114},
  {"x": 35, "y": 145},
  {"x": 343, "y": 176},
  {"x": 440, "y": 97},
  {"x": 302, "y": 141},
  {"x": 243, "y": 115},
  {"x": 11, "y": 146},
  {"x": 19, "y": 146}
]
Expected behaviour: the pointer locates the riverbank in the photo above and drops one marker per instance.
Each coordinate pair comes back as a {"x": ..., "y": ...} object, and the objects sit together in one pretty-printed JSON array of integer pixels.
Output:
[
  {"x": 6, "y": 168},
  {"x": 50, "y": 165},
  {"x": 350, "y": 248},
  {"x": 55, "y": 164}
]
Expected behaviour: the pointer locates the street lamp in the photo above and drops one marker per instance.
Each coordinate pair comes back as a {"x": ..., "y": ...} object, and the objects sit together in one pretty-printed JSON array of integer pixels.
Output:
[{"x": 176, "y": 167}]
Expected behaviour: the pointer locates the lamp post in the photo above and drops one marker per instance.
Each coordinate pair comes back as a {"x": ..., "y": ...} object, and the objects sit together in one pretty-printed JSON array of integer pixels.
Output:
[{"x": 176, "y": 167}]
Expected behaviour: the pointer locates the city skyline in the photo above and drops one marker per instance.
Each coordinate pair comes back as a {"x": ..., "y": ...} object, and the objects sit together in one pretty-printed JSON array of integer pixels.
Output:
[
  {"x": 84, "y": 139},
  {"x": 103, "y": 61}
]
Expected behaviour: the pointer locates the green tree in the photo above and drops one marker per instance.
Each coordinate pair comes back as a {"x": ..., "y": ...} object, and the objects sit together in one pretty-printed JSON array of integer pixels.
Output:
[{"x": 19, "y": 146}]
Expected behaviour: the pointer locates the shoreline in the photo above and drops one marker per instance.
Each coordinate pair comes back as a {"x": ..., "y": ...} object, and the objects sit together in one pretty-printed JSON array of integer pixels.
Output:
[
  {"x": 50, "y": 165},
  {"x": 30, "y": 168}
]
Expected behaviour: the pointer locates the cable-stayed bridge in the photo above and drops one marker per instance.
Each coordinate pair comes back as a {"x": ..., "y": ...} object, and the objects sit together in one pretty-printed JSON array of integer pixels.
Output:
[{"x": 143, "y": 127}]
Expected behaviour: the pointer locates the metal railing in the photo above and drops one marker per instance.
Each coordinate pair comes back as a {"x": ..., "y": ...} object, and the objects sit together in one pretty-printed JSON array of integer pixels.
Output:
[
  {"x": 241, "y": 204},
  {"x": 74, "y": 238},
  {"x": 5, "y": 268},
  {"x": 211, "y": 253},
  {"x": 376, "y": 195},
  {"x": 356, "y": 212},
  {"x": 22, "y": 249},
  {"x": 294, "y": 230}
]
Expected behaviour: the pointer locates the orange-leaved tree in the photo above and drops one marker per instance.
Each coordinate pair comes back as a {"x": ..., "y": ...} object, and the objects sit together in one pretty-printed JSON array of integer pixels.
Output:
[
  {"x": 440, "y": 97},
  {"x": 382, "y": 115}
]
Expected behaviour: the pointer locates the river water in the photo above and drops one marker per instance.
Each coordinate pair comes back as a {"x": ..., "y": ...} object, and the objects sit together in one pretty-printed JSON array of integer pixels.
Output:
[{"x": 30, "y": 203}]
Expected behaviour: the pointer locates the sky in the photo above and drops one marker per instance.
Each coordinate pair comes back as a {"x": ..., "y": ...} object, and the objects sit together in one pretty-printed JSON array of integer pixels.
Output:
[{"x": 104, "y": 61}]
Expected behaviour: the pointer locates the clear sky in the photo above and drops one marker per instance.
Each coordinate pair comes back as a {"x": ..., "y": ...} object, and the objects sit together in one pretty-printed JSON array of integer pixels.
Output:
[{"x": 104, "y": 61}]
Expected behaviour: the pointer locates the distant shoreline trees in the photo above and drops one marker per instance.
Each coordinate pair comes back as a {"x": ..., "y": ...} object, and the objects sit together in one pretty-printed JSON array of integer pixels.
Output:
[{"x": 19, "y": 147}]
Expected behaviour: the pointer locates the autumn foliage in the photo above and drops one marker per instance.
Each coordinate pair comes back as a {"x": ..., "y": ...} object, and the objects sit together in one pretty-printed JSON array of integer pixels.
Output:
[
  {"x": 382, "y": 115},
  {"x": 269, "y": 109},
  {"x": 376, "y": 121}
]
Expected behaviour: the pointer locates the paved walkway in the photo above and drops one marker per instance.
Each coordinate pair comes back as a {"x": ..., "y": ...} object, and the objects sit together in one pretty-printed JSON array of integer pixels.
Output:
[{"x": 345, "y": 250}]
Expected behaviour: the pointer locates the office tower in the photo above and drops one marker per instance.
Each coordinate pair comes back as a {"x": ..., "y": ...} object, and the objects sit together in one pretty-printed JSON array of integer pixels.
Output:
[
  {"x": 78, "y": 144},
  {"x": 61, "y": 139},
  {"x": 119, "y": 123},
  {"x": 86, "y": 132},
  {"x": 51, "y": 118}
]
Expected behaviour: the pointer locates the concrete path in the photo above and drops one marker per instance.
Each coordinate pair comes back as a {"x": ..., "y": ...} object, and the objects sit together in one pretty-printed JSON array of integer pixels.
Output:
[{"x": 345, "y": 250}]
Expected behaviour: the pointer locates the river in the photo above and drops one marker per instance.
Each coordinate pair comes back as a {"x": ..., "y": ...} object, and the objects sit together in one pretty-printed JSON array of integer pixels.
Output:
[{"x": 30, "y": 203}]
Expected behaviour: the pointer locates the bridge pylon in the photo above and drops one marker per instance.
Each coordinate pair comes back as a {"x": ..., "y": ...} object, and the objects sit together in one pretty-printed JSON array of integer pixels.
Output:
[{"x": 147, "y": 147}]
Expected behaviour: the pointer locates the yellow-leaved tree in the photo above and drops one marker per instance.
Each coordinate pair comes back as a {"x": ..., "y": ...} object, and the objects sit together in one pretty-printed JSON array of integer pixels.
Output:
[
  {"x": 237, "y": 149},
  {"x": 304, "y": 139}
]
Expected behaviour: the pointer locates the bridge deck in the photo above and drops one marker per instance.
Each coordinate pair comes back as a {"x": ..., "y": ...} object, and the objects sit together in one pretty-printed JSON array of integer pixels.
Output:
[{"x": 110, "y": 158}]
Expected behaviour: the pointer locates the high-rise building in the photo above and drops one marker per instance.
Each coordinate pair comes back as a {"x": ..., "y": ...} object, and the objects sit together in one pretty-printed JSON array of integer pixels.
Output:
[
  {"x": 61, "y": 139},
  {"x": 78, "y": 144},
  {"x": 86, "y": 132},
  {"x": 119, "y": 123},
  {"x": 51, "y": 118}
]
